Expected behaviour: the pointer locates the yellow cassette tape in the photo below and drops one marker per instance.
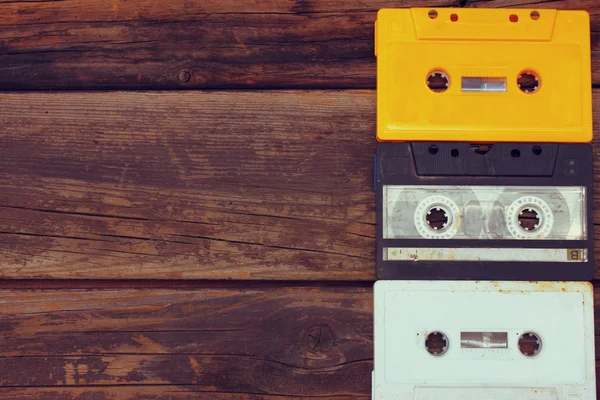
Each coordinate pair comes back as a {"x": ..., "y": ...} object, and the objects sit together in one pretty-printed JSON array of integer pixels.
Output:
[{"x": 483, "y": 75}]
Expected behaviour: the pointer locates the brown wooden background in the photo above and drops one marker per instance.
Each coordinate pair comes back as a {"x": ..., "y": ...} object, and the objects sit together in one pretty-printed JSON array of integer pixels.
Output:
[{"x": 215, "y": 243}]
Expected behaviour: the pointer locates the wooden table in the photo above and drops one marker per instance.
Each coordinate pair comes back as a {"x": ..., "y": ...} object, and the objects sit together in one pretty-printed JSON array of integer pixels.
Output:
[{"x": 192, "y": 244}]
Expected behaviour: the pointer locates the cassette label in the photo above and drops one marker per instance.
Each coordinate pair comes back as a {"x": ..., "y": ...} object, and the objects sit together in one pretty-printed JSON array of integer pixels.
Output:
[
  {"x": 493, "y": 225},
  {"x": 484, "y": 340},
  {"x": 483, "y": 75},
  {"x": 489, "y": 254}
]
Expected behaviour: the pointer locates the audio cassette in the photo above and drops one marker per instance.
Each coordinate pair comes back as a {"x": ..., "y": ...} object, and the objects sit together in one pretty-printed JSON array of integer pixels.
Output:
[
  {"x": 483, "y": 75},
  {"x": 504, "y": 211},
  {"x": 464, "y": 340}
]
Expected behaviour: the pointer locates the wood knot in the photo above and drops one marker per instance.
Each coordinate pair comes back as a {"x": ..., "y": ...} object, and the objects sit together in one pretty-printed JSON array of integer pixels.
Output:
[
  {"x": 184, "y": 76},
  {"x": 319, "y": 339}
]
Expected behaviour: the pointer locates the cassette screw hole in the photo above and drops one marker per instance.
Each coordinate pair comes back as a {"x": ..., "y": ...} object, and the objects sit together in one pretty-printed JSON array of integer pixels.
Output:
[
  {"x": 436, "y": 343},
  {"x": 433, "y": 149},
  {"x": 528, "y": 82},
  {"x": 537, "y": 150},
  {"x": 535, "y": 15},
  {"x": 530, "y": 344},
  {"x": 513, "y": 18},
  {"x": 529, "y": 219},
  {"x": 437, "y": 218},
  {"x": 454, "y": 153},
  {"x": 515, "y": 153},
  {"x": 438, "y": 81},
  {"x": 453, "y": 17},
  {"x": 432, "y": 14}
]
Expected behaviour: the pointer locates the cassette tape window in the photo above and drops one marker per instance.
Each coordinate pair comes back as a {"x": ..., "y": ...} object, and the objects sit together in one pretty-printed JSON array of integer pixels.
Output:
[{"x": 484, "y": 212}]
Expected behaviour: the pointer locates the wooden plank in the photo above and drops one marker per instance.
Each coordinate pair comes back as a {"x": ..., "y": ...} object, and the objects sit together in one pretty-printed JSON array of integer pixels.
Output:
[
  {"x": 199, "y": 344},
  {"x": 214, "y": 44},
  {"x": 218, "y": 185},
  {"x": 304, "y": 342},
  {"x": 209, "y": 44},
  {"x": 146, "y": 393},
  {"x": 181, "y": 185}
]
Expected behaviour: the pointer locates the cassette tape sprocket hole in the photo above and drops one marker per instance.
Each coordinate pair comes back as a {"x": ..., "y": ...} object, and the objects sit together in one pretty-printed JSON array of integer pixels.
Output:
[
  {"x": 436, "y": 343},
  {"x": 437, "y": 217},
  {"x": 529, "y": 217},
  {"x": 528, "y": 82},
  {"x": 438, "y": 81},
  {"x": 530, "y": 344}
]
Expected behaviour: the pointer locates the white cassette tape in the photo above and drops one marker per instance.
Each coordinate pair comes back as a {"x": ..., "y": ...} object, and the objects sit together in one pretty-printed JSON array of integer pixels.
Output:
[{"x": 474, "y": 340}]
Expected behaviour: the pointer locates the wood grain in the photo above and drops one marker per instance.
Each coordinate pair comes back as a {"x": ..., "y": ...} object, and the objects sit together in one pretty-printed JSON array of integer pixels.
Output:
[
  {"x": 268, "y": 342},
  {"x": 205, "y": 44},
  {"x": 219, "y": 185},
  {"x": 190, "y": 44},
  {"x": 224, "y": 344},
  {"x": 160, "y": 392},
  {"x": 179, "y": 185}
]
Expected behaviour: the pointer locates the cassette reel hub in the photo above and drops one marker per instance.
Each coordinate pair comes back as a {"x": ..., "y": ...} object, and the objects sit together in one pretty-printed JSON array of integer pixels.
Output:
[
  {"x": 529, "y": 217},
  {"x": 528, "y": 82},
  {"x": 438, "y": 81},
  {"x": 437, "y": 217},
  {"x": 436, "y": 343},
  {"x": 530, "y": 344}
]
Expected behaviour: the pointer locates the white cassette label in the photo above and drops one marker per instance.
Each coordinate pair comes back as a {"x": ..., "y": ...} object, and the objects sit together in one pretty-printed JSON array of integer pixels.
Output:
[{"x": 484, "y": 212}]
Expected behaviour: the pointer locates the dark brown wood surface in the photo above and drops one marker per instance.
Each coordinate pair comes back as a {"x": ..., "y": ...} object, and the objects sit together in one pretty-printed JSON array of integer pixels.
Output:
[
  {"x": 274, "y": 342},
  {"x": 190, "y": 185},
  {"x": 206, "y": 44},
  {"x": 216, "y": 185},
  {"x": 193, "y": 244}
]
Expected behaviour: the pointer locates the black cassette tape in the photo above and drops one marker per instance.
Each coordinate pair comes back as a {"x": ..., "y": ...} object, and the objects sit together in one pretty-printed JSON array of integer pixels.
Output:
[{"x": 504, "y": 211}]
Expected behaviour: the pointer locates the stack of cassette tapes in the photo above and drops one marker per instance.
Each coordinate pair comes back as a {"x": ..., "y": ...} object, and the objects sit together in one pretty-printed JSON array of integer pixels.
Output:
[{"x": 483, "y": 176}]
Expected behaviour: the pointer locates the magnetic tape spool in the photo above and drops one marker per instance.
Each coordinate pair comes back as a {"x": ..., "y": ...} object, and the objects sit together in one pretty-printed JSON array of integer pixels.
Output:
[
  {"x": 437, "y": 217},
  {"x": 529, "y": 216}
]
